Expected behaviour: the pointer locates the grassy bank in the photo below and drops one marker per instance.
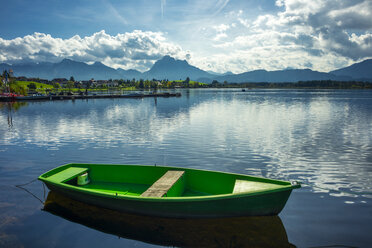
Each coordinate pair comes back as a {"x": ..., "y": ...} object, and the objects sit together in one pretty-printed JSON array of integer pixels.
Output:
[{"x": 30, "y": 87}]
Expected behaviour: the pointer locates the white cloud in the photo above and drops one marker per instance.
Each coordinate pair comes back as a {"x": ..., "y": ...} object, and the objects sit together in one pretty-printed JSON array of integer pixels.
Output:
[
  {"x": 353, "y": 17},
  {"x": 134, "y": 50},
  {"x": 220, "y": 36},
  {"x": 244, "y": 22},
  {"x": 221, "y": 31},
  {"x": 322, "y": 35},
  {"x": 221, "y": 28},
  {"x": 334, "y": 24}
]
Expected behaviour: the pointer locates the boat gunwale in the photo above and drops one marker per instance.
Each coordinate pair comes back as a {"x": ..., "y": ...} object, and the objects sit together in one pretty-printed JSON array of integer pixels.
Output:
[{"x": 285, "y": 186}]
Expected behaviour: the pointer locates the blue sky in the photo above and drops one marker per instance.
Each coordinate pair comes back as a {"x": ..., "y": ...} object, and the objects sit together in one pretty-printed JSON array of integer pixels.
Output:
[{"x": 217, "y": 35}]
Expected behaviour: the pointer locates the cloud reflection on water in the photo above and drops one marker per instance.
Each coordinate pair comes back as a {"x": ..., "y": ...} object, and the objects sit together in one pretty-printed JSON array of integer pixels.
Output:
[{"x": 320, "y": 140}]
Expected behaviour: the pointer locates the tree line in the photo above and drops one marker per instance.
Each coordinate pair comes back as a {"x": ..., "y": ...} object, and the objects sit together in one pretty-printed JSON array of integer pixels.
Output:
[
  {"x": 8, "y": 83},
  {"x": 313, "y": 84}
]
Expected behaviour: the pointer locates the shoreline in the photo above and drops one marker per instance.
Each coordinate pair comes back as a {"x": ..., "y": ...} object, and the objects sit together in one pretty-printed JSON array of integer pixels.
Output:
[{"x": 74, "y": 97}]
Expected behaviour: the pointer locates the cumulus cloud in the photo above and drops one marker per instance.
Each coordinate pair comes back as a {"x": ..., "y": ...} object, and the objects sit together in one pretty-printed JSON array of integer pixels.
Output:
[
  {"x": 221, "y": 31},
  {"x": 341, "y": 27},
  {"x": 321, "y": 35},
  {"x": 134, "y": 50}
]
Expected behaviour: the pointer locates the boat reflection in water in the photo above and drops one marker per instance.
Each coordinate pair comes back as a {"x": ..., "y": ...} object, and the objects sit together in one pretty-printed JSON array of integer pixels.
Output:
[{"x": 267, "y": 231}]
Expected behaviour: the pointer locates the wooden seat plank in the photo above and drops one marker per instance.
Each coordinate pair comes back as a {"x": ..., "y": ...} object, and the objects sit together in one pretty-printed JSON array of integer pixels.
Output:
[
  {"x": 245, "y": 186},
  {"x": 163, "y": 184},
  {"x": 67, "y": 174}
]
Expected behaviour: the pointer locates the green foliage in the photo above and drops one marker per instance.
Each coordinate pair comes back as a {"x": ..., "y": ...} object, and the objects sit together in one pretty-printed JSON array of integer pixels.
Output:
[
  {"x": 141, "y": 84},
  {"x": 18, "y": 89},
  {"x": 32, "y": 86},
  {"x": 70, "y": 85},
  {"x": 56, "y": 85},
  {"x": 21, "y": 87},
  {"x": 187, "y": 83},
  {"x": 38, "y": 85}
]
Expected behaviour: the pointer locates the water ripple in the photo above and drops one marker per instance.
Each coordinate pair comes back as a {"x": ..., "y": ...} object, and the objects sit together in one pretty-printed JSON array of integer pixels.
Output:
[{"x": 322, "y": 138}]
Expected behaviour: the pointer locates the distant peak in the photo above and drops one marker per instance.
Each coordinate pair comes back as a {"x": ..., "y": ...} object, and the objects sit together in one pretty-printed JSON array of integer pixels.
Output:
[
  {"x": 167, "y": 58},
  {"x": 65, "y": 60},
  {"x": 228, "y": 73},
  {"x": 98, "y": 63}
]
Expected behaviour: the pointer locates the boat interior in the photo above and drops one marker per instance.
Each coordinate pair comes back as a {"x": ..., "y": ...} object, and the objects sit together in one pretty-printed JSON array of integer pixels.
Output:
[{"x": 157, "y": 181}]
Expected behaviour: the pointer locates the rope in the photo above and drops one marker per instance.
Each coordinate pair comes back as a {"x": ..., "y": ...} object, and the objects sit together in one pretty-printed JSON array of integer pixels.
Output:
[{"x": 21, "y": 186}]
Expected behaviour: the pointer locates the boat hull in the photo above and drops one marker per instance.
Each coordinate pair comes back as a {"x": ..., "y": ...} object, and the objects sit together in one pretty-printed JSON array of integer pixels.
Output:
[
  {"x": 257, "y": 205},
  {"x": 260, "y": 203}
]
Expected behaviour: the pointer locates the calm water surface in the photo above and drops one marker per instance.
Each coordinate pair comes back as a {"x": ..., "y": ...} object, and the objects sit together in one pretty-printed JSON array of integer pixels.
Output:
[{"x": 322, "y": 138}]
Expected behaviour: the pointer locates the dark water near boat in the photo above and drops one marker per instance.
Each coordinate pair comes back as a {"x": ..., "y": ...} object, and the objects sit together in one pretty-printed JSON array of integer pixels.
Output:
[{"x": 322, "y": 138}]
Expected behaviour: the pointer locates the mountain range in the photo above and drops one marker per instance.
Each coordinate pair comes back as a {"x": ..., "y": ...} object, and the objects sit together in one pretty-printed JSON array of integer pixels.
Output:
[{"x": 173, "y": 69}]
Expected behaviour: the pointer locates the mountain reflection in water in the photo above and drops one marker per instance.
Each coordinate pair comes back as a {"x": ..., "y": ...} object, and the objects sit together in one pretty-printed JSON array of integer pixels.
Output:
[{"x": 224, "y": 232}]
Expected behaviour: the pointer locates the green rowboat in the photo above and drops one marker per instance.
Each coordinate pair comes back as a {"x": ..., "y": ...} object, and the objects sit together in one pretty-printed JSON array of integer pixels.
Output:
[{"x": 169, "y": 191}]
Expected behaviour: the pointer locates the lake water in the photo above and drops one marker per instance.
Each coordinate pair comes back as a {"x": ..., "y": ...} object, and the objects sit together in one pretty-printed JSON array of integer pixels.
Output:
[{"x": 322, "y": 138}]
